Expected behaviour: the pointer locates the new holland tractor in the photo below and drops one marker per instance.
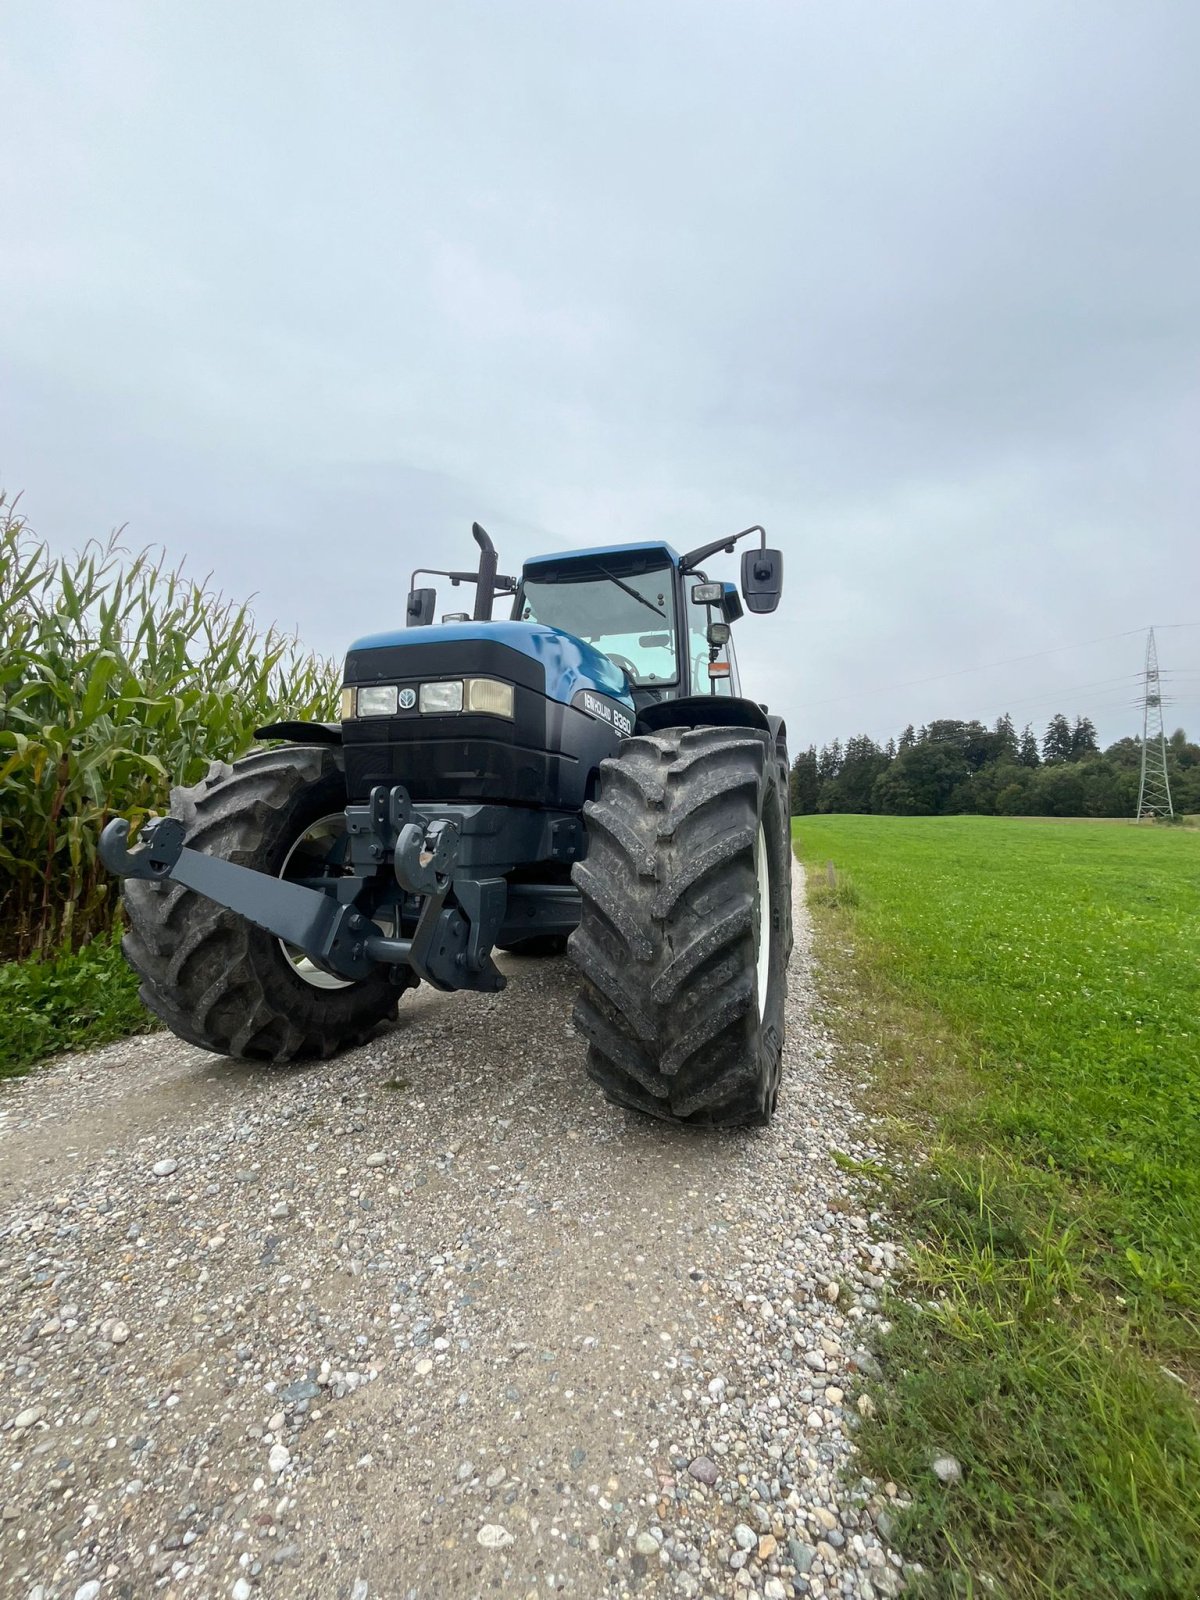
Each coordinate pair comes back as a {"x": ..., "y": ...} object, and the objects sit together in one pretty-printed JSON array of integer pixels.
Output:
[{"x": 585, "y": 775}]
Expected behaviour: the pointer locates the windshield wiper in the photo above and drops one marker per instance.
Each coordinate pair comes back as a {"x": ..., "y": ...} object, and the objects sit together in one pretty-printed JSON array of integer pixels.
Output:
[{"x": 629, "y": 589}]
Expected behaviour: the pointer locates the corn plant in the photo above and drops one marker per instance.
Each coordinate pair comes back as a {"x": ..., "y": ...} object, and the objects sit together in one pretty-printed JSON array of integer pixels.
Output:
[{"x": 119, "y": 677}]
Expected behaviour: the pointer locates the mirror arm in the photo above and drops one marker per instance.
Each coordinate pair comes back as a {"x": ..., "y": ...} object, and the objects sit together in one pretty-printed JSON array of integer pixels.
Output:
[
  {"x": 501, "y": 584},
  {"x": 692, "y": 560}
]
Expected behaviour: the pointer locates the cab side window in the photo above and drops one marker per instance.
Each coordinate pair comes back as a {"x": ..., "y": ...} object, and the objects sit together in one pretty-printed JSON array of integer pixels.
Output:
[{"x": 727, "y": 684}]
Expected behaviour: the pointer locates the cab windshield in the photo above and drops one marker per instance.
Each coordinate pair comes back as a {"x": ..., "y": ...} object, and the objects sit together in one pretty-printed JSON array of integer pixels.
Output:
[{"x": 630, "y": 617}]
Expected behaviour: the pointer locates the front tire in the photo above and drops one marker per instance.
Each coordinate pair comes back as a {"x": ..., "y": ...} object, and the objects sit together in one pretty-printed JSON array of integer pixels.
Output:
[
  {"x": 685, "y": 929},
  {"x": 217, "y": 980}
]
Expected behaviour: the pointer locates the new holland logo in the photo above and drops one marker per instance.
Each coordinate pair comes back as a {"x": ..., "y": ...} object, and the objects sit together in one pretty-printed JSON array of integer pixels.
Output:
[
  {"x": 408, "y": 699},
  {"x": 607, "y": 712}
]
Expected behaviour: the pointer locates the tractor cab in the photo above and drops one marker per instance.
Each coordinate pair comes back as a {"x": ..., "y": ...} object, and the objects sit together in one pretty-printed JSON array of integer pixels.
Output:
[{"x": 634, "y": 604}]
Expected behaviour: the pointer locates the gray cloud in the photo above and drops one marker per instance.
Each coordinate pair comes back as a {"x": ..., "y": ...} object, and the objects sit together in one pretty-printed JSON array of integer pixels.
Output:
[{"x": 293, "y": 290}]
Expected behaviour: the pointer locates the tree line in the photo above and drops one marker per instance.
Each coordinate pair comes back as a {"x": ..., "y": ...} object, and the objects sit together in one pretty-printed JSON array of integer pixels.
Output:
[{"x": 950, "y": 767}]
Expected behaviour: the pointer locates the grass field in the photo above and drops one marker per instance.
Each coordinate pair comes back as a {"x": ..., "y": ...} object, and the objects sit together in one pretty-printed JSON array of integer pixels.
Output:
[{"x": 1032, "y": 993}]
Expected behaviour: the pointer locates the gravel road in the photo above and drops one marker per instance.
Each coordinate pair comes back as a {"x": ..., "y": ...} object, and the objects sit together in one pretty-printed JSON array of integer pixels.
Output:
[{"x": 432, "y": 1320}]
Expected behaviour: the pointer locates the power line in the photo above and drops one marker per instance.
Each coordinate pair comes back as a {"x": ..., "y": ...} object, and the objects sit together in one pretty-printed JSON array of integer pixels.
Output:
[{"x": 987, "y": 666}]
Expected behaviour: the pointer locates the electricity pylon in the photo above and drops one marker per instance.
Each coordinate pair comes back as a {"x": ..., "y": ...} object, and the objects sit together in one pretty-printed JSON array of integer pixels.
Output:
[{"x": 1154, "y": 793}]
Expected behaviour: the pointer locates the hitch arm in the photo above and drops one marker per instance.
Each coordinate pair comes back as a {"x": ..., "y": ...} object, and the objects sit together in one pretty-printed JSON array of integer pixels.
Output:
[{"x": 329, "y": 931}]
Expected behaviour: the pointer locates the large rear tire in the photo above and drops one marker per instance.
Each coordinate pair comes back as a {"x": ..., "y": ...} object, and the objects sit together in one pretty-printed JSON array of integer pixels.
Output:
[
  {"x": 216, "y": 979},
  {"x": 685, "y": 929}
]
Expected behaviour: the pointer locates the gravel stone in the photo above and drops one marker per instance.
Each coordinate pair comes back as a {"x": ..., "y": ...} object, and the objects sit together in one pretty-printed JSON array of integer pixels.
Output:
[
  {"x": 947, "y": 1469},
  {"x": 302, "y": 1389},
  {"x": 165, "y": 1167},
  {"x": 802, "y": 1555},
  {"x": 492, "y": 1536}
]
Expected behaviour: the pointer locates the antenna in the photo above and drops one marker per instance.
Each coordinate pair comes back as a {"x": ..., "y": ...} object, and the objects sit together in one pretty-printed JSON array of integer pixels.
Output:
[{"x": 1154, "y": 792}]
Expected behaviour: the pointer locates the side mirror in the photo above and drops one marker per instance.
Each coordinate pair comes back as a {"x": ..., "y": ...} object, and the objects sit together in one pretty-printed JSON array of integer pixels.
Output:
[
  {"x": 718, "y": 633},
  {"x": 420, "y": 607},
  {"x": 762, "y": 579}
]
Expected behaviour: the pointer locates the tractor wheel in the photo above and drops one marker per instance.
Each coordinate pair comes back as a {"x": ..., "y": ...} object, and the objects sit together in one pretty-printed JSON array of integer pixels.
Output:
[
  {"x": 216, "y": 979},
  {"x": 683, "y": 941},
  {"x": 785, "y": 791}
]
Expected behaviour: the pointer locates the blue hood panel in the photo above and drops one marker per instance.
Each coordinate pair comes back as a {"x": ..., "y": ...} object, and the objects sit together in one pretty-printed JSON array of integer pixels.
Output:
[{"x": 570, "y": 664}]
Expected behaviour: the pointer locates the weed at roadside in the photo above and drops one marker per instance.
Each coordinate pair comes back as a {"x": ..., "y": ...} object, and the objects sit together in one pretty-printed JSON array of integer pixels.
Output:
[{"x": 71, "y": 1002}]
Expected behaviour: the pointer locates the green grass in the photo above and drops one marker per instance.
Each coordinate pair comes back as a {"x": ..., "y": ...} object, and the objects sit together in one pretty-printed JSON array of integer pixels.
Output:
[
  {"x": 71, "y": 1002},
  {"x": 1032, "y": 993}
]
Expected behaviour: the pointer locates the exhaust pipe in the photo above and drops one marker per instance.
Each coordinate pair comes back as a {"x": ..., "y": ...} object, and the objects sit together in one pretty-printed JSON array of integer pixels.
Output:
[{"x": 485, "y": 588}]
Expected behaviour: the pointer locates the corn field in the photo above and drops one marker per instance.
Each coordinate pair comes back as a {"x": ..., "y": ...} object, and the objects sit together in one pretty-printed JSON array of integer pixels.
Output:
[{"x": 119, "y": 677}]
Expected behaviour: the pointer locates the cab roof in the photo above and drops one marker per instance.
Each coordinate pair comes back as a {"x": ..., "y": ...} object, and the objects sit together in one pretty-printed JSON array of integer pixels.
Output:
[{"x": 643, "y": 556}]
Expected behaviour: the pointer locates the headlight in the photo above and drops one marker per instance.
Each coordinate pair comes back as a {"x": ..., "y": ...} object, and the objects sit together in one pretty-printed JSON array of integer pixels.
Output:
[
  {"x": 377, "y": 701},
  {"x": 441, "y": 697},
  {"x": 489, "y": 696},
  {"x": 707, "y": 594},
  {"x": 347, "y": 707}
]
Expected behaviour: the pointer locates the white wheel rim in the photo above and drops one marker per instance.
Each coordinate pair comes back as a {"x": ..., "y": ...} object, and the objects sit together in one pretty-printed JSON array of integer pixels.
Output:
[
  {"x": 324, "y": 828},
  {"x": 763, "y": 946}
]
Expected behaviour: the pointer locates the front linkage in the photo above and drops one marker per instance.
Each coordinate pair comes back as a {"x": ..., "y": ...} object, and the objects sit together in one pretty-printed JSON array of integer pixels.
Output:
[{"x": 449, "y": 871}]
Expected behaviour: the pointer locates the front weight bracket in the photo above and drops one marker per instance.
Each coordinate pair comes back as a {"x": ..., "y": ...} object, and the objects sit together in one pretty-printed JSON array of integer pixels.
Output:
[
  {"x": 159, "y": 847},
  {"x": 424, "y": 857}
]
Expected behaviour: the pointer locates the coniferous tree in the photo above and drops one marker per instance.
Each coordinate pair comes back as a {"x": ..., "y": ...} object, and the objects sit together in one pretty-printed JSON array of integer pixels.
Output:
[
  {"x": 908, "y": 738},
  {"x": 1027, "y": 752},
  {"x": 829, "y": 763},
  {"x": 1083, "y": 739},
  {"x": 1056, "y": 741},
  {"x": 1005, "y": 738},
  {"x": 851, "y": 790},
  {"x": 889, "y": 749},
  {"x": 805, "y": 783}
]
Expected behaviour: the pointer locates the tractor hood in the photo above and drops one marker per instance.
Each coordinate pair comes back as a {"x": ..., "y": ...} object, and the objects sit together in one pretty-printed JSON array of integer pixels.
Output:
[
  {"x": 569, "y": 664},
  {"x": 569, "y": 709}
]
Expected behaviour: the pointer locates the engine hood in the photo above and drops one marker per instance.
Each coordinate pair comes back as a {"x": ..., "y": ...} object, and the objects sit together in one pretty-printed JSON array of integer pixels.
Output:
[{"x": 568, "y": 664}]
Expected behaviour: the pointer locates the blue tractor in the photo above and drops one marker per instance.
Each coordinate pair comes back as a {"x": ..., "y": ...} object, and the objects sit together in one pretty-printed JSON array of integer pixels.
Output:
[{"x": 584, "y": 775}]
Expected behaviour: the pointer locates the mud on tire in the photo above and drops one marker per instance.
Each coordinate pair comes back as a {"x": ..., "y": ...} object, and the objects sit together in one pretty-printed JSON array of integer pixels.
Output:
[
  {"x": 681, "y": 1021},
  {"x": 214, "y": 978}
]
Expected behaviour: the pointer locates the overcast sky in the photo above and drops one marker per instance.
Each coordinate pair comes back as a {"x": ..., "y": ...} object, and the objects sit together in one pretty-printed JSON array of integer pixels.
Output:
[{"x": 300, "y": 290}]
